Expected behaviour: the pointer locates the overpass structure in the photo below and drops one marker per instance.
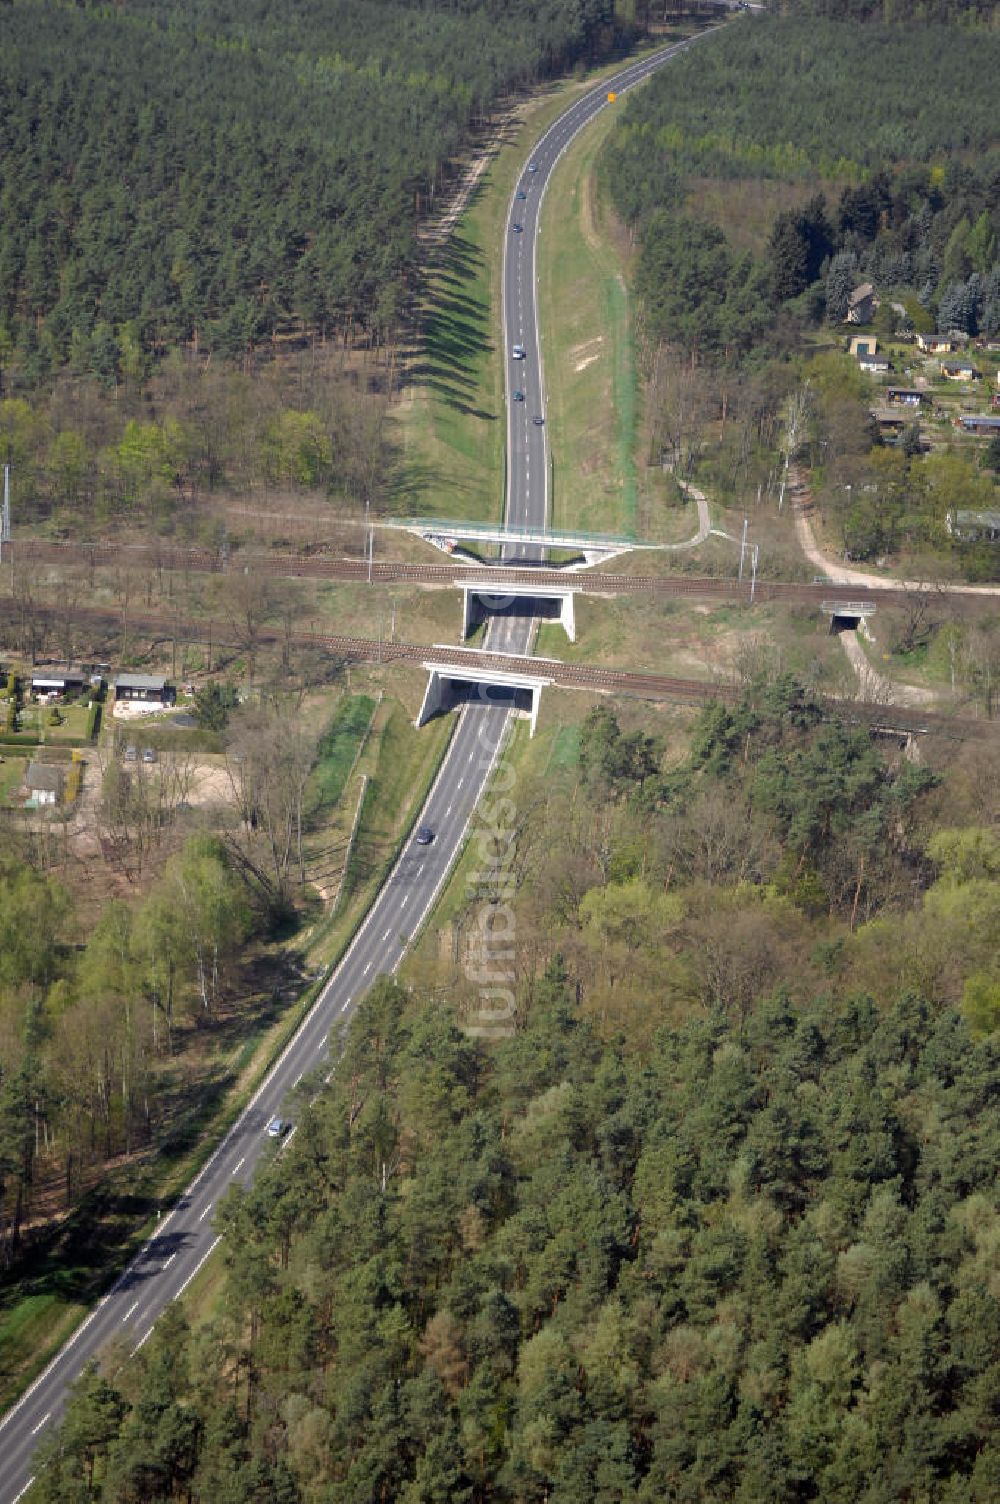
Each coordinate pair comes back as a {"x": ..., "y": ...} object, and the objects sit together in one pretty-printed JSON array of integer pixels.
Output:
[
  {"x": 446, "y": 534},
  {"x": 487, "y": 597},
  {"x": 186, "y": 1236},
  {"x": 447, "y": 684}
]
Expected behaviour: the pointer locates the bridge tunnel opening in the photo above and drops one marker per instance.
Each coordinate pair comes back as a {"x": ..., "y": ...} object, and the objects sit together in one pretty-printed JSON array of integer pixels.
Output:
[
  {"x": 845, "y": 621},
  {"x": 469, "y": 692},
  {"x": 479, "y": 604},
  {"x": 450, "y": 688}
]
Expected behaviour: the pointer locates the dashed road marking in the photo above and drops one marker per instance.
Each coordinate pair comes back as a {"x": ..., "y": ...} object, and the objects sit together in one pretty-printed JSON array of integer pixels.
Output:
[
  {"x": 35, "y": 1429},
  {"x": 133, "y": 1307},
  {"x": 240, "y": 1165}
]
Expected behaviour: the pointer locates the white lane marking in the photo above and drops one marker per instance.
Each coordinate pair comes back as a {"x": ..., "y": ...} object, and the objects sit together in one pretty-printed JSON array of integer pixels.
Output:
[
  {"x": 142, "y": 1341},
  {"x": 367, "y": 969},
  {"x": 194, "y": 1271},
  {"x": 30, "y": 1484},
  {"x": 387, "y": 934},
  {"x": 406, "y": 899},
  {"x": 240, "y": 1165},
  {"x": 589, "y": 103},
  {"x": 35, "y": 1429},
  {"x": 133, "y": 1307},
  {"x": 459, "y": 783},
  {"x": 298, "y": 1078},
  {"x": 205, "y": 1212},
  {"x": 343, "y": 1008},
  {"x": 170, "y": 1260}
]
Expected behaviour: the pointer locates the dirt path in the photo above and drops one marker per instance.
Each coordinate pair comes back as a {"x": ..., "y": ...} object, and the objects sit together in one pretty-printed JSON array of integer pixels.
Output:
[
  {"x": 704, "y": 520},
  {"x": 839, "y": 574},
  {"x": 876, "y": 689}
]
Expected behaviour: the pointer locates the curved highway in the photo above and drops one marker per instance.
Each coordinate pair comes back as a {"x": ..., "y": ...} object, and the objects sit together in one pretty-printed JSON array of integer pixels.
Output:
[{"x": 185, "y": 1238}]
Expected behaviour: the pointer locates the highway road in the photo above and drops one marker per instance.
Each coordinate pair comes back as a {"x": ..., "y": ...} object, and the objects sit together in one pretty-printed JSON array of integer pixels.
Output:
[{"x": 186, "y": 1237}]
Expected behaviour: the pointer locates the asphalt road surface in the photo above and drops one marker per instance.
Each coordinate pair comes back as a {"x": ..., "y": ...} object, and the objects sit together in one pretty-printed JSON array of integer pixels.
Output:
[{"x": 186, "y": 1237}]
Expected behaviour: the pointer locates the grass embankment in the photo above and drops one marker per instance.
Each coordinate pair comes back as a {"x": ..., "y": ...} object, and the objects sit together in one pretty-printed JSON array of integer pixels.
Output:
[
  {"x": 41, "y": 1306},
  {"x": 451, "y": 432},
  {"x": 451, "y": 424},
  {"x": 601, "y": 483}
]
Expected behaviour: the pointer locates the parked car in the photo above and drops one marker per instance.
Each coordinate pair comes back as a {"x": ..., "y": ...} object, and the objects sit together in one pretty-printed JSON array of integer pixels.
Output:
[
  {"x": 131, "y": 753},
  {"x": 149, "y": 754}
]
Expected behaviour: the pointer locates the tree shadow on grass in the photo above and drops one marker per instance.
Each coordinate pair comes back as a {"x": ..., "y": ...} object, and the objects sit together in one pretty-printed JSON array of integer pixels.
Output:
[{"x": 454, "y": 333}]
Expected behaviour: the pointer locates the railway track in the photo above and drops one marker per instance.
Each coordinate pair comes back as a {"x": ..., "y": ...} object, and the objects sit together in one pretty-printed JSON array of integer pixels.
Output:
[
  {"x": 386, "y": 572},
  {"x": 583, "y": 676}
]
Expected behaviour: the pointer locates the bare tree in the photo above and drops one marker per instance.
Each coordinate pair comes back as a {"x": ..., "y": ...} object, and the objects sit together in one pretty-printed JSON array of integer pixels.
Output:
[
  {"x": 248, "y": 600},
  {"x": 268, "y": 762}
]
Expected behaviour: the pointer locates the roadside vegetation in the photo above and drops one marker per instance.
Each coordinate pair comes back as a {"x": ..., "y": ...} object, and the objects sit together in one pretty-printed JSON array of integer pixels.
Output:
[
  {"x": 592, "y": 403},
  {"x": 729, "y": 1178},
  {"x": 758, "y": 214}
]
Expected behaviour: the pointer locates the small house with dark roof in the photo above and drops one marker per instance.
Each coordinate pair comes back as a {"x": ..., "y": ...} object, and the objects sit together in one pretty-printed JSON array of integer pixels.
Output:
[
  {"x": 982, "y": 423},
  {"x": 861, "y": 304},
  {"x": 973, "y": 527},
  {"x": 58, "y": 678},
  {"x": 960, "y": 370},
  {"x": 904, "y": 396},
  {"x": 151, "y": 688},
  {"x": 45, "y": 782},
  {"x": 890, "y": 419},
  {"x": 936, "y": 344}
]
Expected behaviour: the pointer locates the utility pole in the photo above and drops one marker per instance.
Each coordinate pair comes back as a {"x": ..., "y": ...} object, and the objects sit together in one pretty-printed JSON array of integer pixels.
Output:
[{"x": 743, "y": 548}]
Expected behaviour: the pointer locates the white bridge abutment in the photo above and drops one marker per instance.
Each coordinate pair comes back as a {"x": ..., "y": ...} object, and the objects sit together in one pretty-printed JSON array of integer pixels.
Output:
[
  {"x": 448, "y": 684},
  {"x": 481, "y": 600}
]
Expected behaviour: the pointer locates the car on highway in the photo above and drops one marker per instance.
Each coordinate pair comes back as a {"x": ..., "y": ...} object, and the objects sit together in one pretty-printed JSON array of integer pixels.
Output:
[
  {"x": 278, "y": 1127},
  {"x": 532, "y": 166},
  {"x": 518, "y": 396},
  {"x": 424, "y": 835},
  {"x": 518, "y": 229},
  {"x": 521, "y": 193},
  {"x": 538, "y": 420},
  {"x": 518, "y": 352}
]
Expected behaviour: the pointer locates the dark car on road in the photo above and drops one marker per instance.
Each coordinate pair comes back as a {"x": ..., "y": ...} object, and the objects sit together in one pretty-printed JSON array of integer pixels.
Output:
[
  {"x": 518, "y": 396},
  {"x": 538, "y": 420},
  {"x": 425, "y": 835}
]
